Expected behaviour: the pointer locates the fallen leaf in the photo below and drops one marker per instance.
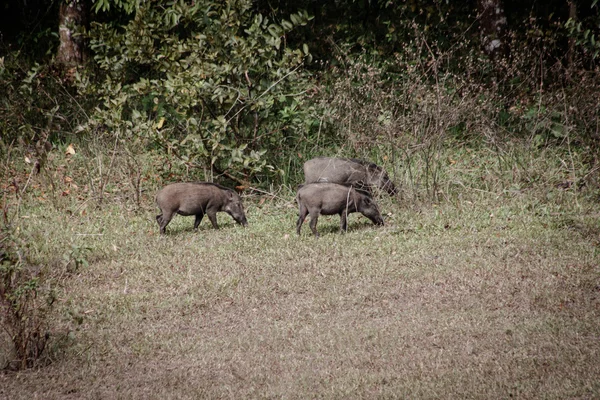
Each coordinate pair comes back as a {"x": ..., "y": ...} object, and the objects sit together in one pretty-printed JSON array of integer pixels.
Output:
[{"x": 70, "y": 150}]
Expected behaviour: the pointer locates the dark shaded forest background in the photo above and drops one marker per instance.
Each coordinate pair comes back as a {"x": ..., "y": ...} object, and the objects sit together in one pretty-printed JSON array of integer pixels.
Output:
[
  {"x": 245, "y": 90},
  {"x": 107, "y": 100}
]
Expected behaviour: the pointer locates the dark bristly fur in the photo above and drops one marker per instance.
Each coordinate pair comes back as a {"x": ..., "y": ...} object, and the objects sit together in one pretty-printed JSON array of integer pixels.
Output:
[
  {"x": 197, "y": 199},
  {"x": 353, "y": 171},
  {"x": 331, "y": 198}
]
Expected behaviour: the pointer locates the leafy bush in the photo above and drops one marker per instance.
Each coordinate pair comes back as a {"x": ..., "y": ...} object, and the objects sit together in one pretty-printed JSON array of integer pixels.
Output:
[
  {"x": 24, "y": 299},
  {"x": 208, "y": 82}
]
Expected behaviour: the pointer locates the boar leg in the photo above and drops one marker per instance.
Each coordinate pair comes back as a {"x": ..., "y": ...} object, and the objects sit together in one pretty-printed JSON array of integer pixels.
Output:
[
  {"x": 314, "y": 217},
  {"x": 163, "y": 220},
  {"x": 344, "y": 221},
  {"x": 159, "y": 220},
  {"x": 302, "y": 213},
  {"x": 213, "y": 219},
  {"x": 199, "y": 217}
]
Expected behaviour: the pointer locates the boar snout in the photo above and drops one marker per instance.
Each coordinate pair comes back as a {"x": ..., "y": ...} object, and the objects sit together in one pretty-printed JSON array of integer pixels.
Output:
[
  {"x": 241, "y": 220},
  {"x": 369, "y": 209},
  {"x": 235, "y": 208}
]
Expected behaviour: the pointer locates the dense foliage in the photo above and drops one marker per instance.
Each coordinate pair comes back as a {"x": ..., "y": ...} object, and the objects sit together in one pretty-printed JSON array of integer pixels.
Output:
[
  {"x": 244, "y": 89},
  {"x": 211, "y": 83}
]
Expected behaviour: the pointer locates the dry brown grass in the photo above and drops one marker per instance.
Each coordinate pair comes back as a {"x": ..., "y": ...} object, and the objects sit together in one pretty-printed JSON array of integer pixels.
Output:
[{"x": 495, "y": 298}]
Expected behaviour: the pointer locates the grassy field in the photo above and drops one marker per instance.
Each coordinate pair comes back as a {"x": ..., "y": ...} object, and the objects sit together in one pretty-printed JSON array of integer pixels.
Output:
[{"x": 496, "y": 296}]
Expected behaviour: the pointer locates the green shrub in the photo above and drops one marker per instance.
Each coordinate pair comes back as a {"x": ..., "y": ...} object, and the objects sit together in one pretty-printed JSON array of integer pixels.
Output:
[
  {"x": 25, "y": 300},
  {"x": 210, "y": 83}
]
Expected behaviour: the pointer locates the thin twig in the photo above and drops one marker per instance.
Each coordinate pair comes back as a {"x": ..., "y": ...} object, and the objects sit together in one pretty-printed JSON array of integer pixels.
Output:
[
  {"x": 267, "y": 193},
  {"x": 23, "y": 191},
  {"x": 266, "y": 91}
]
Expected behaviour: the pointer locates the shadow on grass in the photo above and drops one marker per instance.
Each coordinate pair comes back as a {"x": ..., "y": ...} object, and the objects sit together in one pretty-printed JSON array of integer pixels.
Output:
[
  {"x": 204, "y": 228},
  {"x": 332, "y": 227}
]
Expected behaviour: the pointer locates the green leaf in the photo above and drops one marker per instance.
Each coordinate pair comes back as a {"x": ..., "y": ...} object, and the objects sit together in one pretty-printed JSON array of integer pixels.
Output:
[{"x": 287, "y": 25}]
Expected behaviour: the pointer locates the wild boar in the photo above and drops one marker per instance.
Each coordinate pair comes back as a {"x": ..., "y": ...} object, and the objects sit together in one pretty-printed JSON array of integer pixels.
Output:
[
  {"x": 348, "y": 171},
  {"x": 331, "y": 198},
  {"x": 198, "y": 199}
]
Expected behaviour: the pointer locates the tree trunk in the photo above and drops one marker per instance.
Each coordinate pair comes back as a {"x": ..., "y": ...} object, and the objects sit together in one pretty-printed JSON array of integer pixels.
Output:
[
  {"x": 72, "y": 22},
  {"x": 492, "y": 22}
]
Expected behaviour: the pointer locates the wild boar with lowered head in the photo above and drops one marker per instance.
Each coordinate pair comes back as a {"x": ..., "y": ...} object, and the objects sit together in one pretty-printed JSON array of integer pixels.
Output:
[
  {"x": 198, "y": 199},
  {"x": 329, "y": 199},
  {"x": 348, "y": 171}
]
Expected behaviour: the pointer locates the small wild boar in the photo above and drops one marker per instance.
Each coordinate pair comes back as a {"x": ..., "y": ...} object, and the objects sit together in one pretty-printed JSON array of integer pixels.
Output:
[
  {"x": 348, "y": 171},
  {"x": 331, "y": 198},
  {"x": 198, "y": 199}
]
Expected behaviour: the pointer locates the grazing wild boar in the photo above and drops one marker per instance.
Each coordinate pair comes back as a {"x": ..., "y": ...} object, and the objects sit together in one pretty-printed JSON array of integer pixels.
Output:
[
  {"x": 329, "y": 199},
  {"x": 198, "y": 199},
  {"x": 348, "y": 171}
]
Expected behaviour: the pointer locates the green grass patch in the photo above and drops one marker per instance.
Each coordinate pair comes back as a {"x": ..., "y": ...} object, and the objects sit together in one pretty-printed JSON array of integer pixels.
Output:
[{"x": 489, "y": 296}]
